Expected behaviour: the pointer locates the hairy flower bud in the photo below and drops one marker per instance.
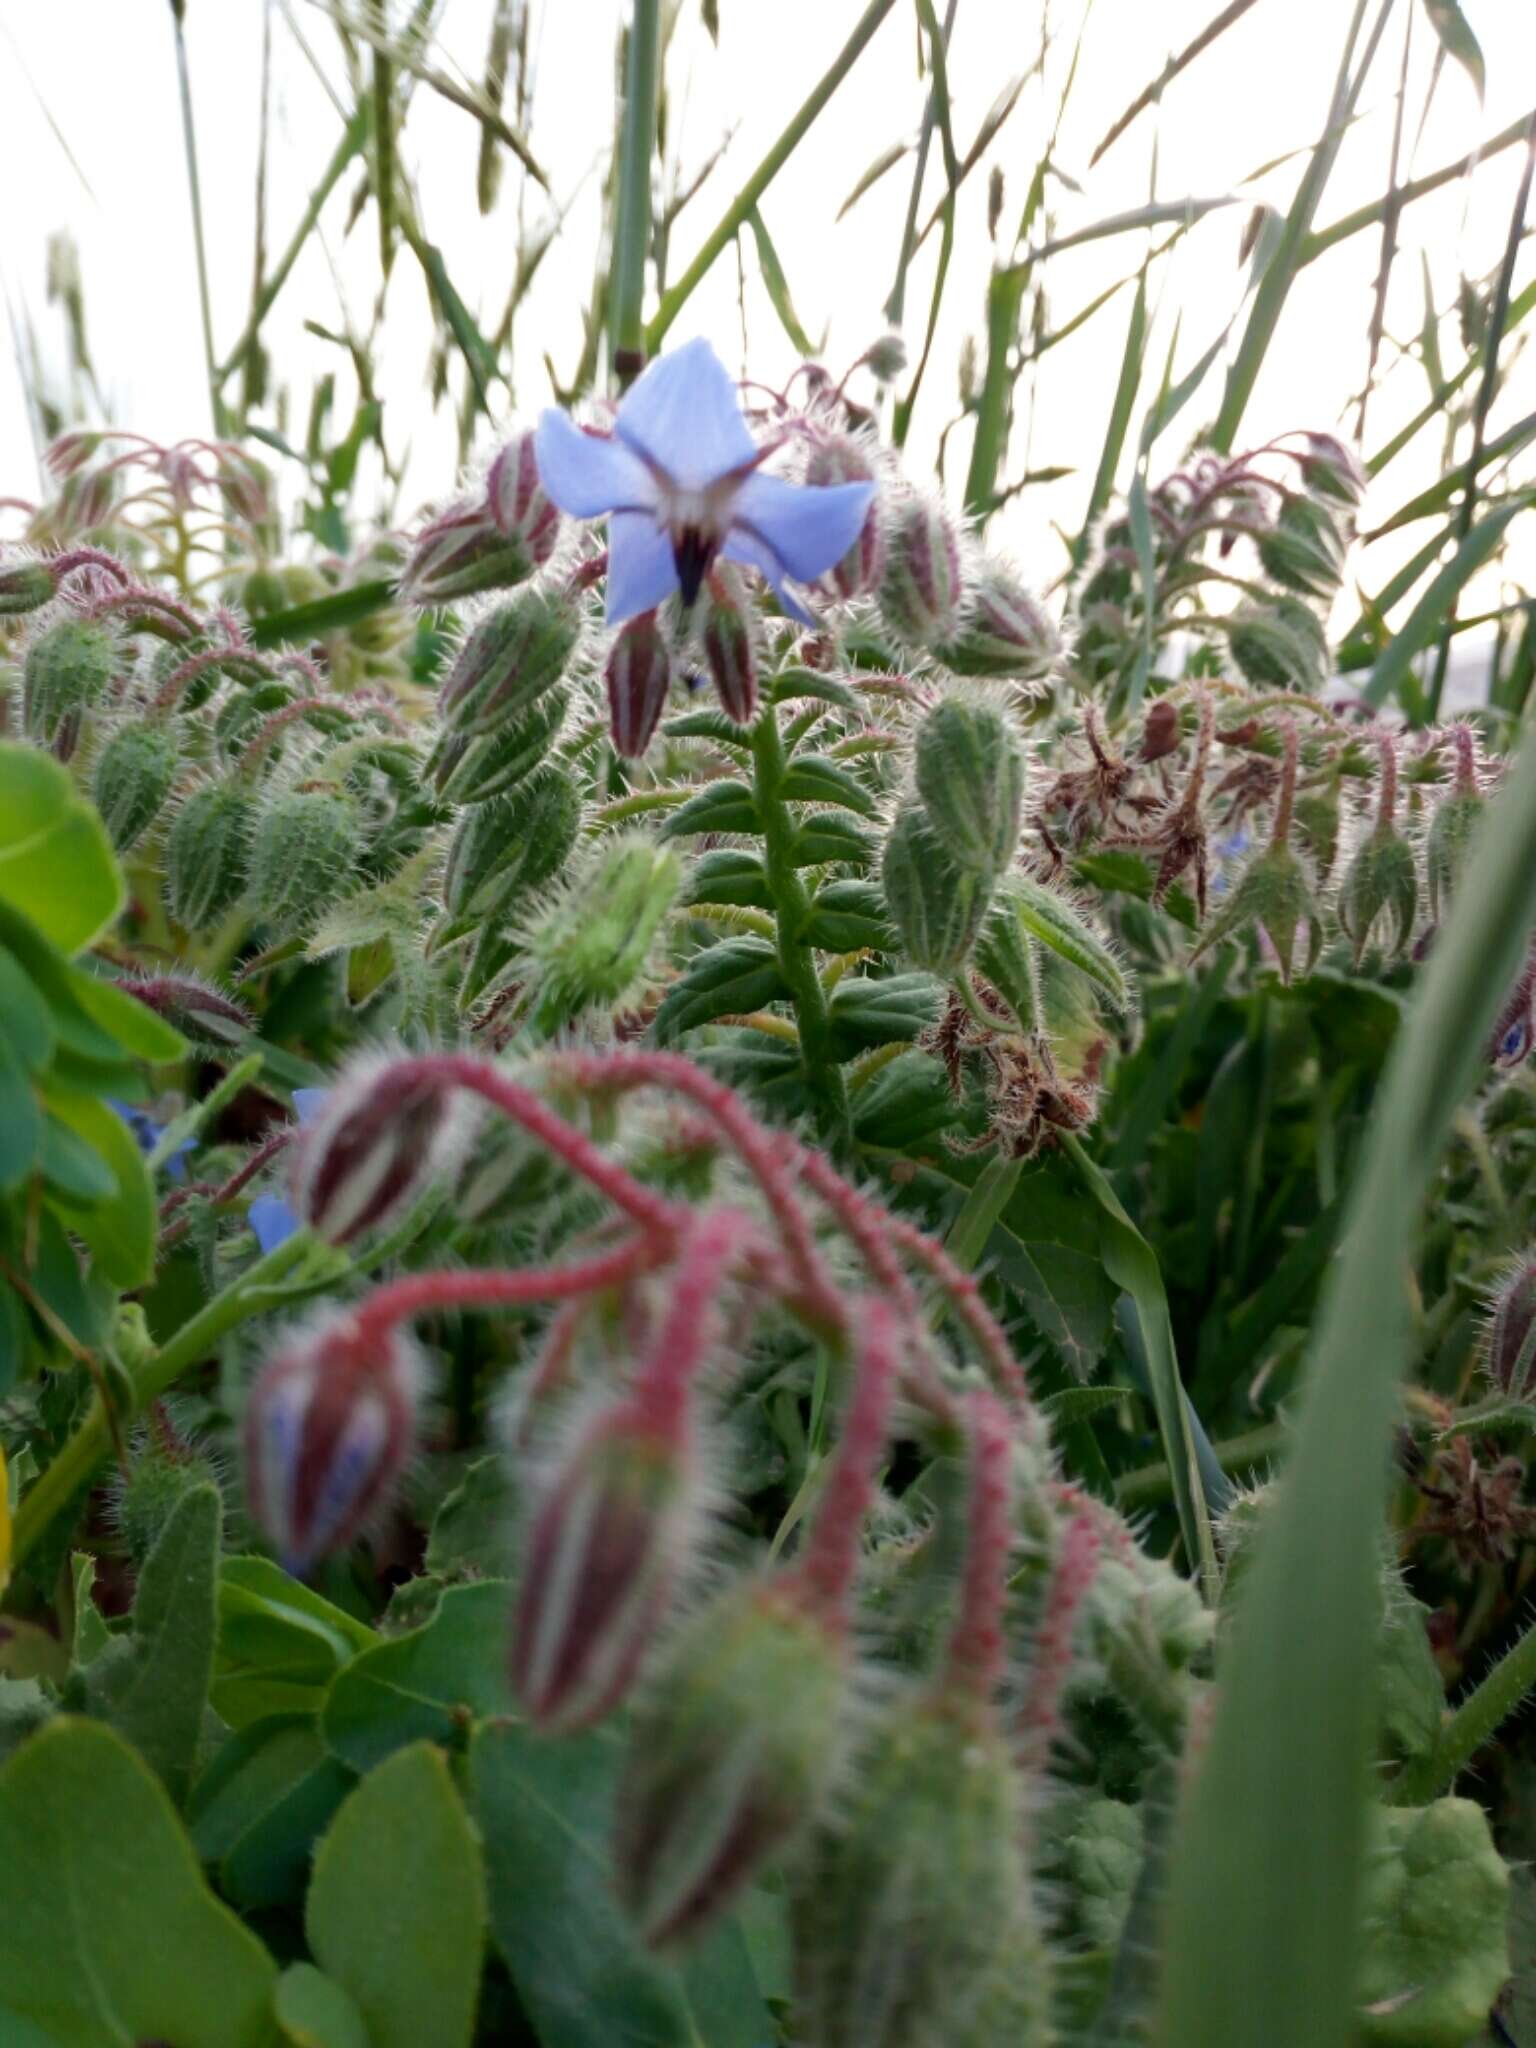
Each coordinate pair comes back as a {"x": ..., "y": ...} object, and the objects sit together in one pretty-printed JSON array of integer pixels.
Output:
[
  {"x": 68, "y": 669},
  {"x": 592, "y": 945},
  {"x": 24, "y": 586},
  {"x": 637, "y": 676},
  {"x": 195, "y": 1007},
  {"x": 302, "y": 858},
  {"x": 886, "y": 359},
  {"x": 732, "y": 1752},
  {"x": 728, "y": 633},
  {"x": 506, "y": 848},
  {"x": 133, "y": 777},
  {"x": 1273, "y": 897},
  {"x": 608, "y": 1541},
  {"x": 162, "y": 1467},
  {"x": 1453, "y": 827},
  {"x": 1006, "y": 631},
  {"x": 912, "y": 1902},
  {"x": 510, "y": 659},
  {"x": 1280, "y": 645},
  {"x": 1317, "y": 828},
  {"x": 463, "y": 552},
  {"x": 841, "y": 460},
  {"x": 329, "y": 1428},
  {"x": 1304, "y": 549},
  {"x": 385, "y": 1134},
  {"x": 1381, "y": 885},
  {"x": 937, "y": 905},
  {"x": 472, "y": 768},
  {"x": 1511, "y": 1339},
  {"x": 520, "y": 506},
  {"x": 207, "y": 855},
  {"x": 922, "y": 588},
  {"x": 1333, "y": 470},
  {"x": 970, "y": 775}
]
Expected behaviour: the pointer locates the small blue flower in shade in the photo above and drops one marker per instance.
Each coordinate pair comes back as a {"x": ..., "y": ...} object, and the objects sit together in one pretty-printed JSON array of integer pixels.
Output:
[
  {"x": 1228, "y": 851},
  {"x": 271, "y": 1216},
  {"x": 679, "y": 480},
  {"x": 147, "y": 1134}
]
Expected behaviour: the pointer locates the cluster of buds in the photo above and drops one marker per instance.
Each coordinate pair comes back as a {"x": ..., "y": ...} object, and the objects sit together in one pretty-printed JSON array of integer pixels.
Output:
[
  {"x": 490, "y": 539},
  {"x": 111, "y": 483},
  {"x": 754, "y": 1731}
]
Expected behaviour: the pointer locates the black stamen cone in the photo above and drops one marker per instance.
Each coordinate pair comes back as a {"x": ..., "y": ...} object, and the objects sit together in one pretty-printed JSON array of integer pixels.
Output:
[{"x": 692, "y": 554}]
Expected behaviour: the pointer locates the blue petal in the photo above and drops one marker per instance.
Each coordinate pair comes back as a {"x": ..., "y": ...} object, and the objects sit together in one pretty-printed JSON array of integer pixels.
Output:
[
  {"x": 309, "y": 1102},
  {"x": 808, "y": 526},
  {"x": 272, "y": 1220},
  {"x": 587, "y": 475},
  {"x": 684, "y": 415},
  {"x": 641, "y": 571},
  {"x": 741, "y": 546}
]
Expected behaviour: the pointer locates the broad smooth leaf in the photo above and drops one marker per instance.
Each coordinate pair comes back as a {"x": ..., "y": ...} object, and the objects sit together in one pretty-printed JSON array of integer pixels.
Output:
[
  {"x": 396, "y": 1908},
  {"x": 121, "y": 1229},
  {"x": 315, "y": 2012},
  {"x": 544, "y": 1810},
  {"x": 108, "y": 1933},
  {"x": 424, "y": 1683},
  {"x": 56, "y": 862},
  {"x": 280, "y": 1644}
]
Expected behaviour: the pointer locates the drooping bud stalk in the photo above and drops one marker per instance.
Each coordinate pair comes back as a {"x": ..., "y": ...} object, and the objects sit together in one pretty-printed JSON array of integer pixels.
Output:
[
  {"x": 614, "y": 1530},
  {"x": 199, "y": 667},
  {"x": 305, "y": 848},
  {"x": 520, "y": 507},
  {"x": 207, "y": 855},
  {"x": 937, "y": 905},
  {"x": 593, "y": 944},
  {"x": 840, "y": 459},
  {"x": 133, "y": 778},
  {"x": 973, "y": 1668},
  {"x": 515, "y": 653},
  {"x": 1006, "y": 631},
  {"x": 824, "y": 1571},
  {"x": 1039, "y": 1719},
  {"x": 329, "y": 1427},
  {"x": 637, "y": 676},
  {"x": 922, "y": 589},
  {"x": 1511, "y": 1339},
  {"x": 728, "y": 635},
  {"x": 970, "y": 775},
  {"x": 385, "y": 1134}
]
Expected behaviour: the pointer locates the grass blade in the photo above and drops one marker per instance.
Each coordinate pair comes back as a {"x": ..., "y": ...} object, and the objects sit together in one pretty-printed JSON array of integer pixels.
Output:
[
  {"x": 1264, "y": 1903},
  {"x": 1432, "y": 609},
  {"x": 1458, "y": 41},
  {"x": 1149, "y": 97},
  {"x": 632, "y": 228},
  {"x": 777, "y": 285},
  {"x": 1131, "y": 360},
  {"x": 1417, "y": 188}
]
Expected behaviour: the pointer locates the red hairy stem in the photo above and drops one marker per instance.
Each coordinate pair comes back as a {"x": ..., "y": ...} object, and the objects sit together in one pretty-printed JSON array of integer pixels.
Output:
[
  {"x": 225, "y": 1191},
  {"x": 399, "y": 1300},
  {"x": 1464, "y": 741},
  {"x": 1077, "y": 1561},
  {"x": 1386, "y": 805},
  {"x": 1285, "y": 803},
  {"x": 269, "y": 728},
  {"x": 140, "y": 596},
  {"x": 976, "y": 1648},
  {"x": 194, "y": 666},
  {"x": 664, "y": 1380},
  {"x": 827, "y": 1565},
  {"x": 65, "y": 564},
  {"x": 551, "y": 1368},
  {"x": 653, "y": 1212}
]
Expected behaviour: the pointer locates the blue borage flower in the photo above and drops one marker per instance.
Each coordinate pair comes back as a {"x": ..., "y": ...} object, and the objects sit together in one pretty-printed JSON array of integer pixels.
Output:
[
  {"x": 680, "y": 482},
  {"x": 147, "y": 1134}
]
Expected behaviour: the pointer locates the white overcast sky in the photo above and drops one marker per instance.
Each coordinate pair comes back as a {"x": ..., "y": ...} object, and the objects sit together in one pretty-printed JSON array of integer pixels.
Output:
[{"x": 90, "y": 141}]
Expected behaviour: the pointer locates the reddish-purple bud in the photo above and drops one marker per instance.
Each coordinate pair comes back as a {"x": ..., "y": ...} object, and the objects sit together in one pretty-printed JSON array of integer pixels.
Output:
[
  {"x": 192, "y": 1005},
  {"x": 328, "y": 1430},
  {"x": 461, "y": 552},
  {"x": 638, "y": 675},
  {"x": 726, "y": 629},
  {"x": 67, "y": 454},
  {"x": 1006, "y": 631},
  {"x": 1512, "y": 1333},
  {"x": 382, "y": 1138},
  {"x": 609, "y": 1541},
  {"x": 921, "y": 591},
  {"x": 842, "y": 460},
  {"x": 519, "y": 504}
]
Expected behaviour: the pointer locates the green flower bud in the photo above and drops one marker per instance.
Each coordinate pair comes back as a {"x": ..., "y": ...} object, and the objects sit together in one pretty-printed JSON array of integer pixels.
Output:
[
  {"x": 911, "y": 1905},
  {"x": 731, "y": 1753},
  {"x": 1274, "y": 897},
  {"x": 471, "y": 768},
  {"x": 23, "y": 587},
  {"x": 510, "y": 659},
  {"x": 207, "y": 853},
  {"x": 1381, "y": 883},
  {"x": 593, "y": 944},
  {"x": 1006, "y": 631},
  {"x": 1331, "y": 469},
  {"x": 936, "y": 904},
  {"x": 67, "y": 671},
  {"x": 1448, "y": 843},
  {"x": 133, "y": 778},
  {"x": 970, "y": 775},
  {"x": 506, "y": 848},
  {"x": 922, "y": 588},
  {"x": 1317, "y": 827},
  {"x": 1279, "y": 646},
  {"x": 162, "y": 1468},
  {"x": 302, "y": 859},
  {"x": 1304, "y": 549}
]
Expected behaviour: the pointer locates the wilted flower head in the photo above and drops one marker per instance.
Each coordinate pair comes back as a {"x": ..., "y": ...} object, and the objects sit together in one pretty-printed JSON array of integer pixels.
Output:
[{"x": 679, "y": 479}]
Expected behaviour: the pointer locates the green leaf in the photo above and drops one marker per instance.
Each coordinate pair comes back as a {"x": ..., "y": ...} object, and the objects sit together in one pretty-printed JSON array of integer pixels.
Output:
[
  {"x": 813, "y": 779},
  {"x": 728, "y": 979},
  {"x": 134, "y": 1026},
  {"x": 1436, "y": 1953},
  {"x": 1133, "y": 356},
  {"x": 474, "y": 1532},
  {"x": 121, "y": 1230},
  {"x": 730, "y": 874},
  {"x": 724, "y": 806},
  {"x": 279, "y": 1645},
  {"x": 544, "y": 1811},
  {"x": 315, "y": 2012},
  {"x": 1048, "y": 916},
  {"x": 1070, "y": 1405},
  {"x": 152, "y": 1686},
  {"x": 25, "y": 1024},
  {"x": 56, "y": 862},
  {"x": 824, "y": 837},
  {"x": 907, "y": 1102},
  {"x": 1458, "y": 41},
  {"x": 777, "y": 285},
  {"x": 396, "y": 1909},
  {"x": 305, "y": 622},
  {"x": 426, "y": 1683},
  {"x": 849, "y": 916},
  {"x": 108, "y": 1934},
  {"x": 21, "y": 1121},
  {"x": 261, "y": 1806},
  {"x": 1425, "y": 622},
  {"x": 868, "y": 1011}
]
